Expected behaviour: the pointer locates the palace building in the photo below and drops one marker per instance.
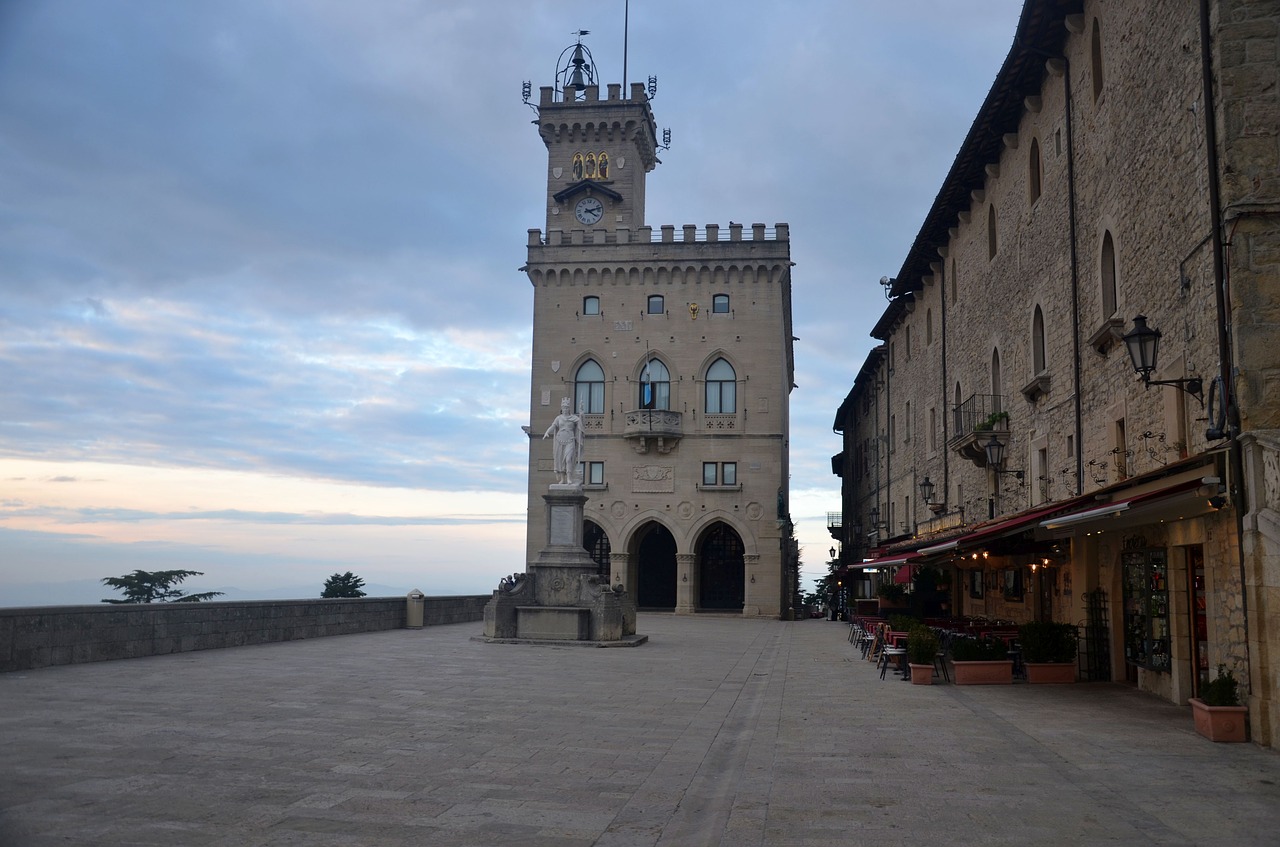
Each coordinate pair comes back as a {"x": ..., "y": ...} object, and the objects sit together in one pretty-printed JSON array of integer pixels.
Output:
[{"x": 674, "y": 344}]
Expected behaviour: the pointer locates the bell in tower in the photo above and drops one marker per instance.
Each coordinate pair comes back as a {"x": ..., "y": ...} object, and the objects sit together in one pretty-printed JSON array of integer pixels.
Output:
[{"x": 575, "y": 70}]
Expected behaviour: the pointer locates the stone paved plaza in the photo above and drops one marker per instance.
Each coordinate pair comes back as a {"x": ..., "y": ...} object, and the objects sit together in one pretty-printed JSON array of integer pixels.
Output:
[{"x": 718, "y": 731}]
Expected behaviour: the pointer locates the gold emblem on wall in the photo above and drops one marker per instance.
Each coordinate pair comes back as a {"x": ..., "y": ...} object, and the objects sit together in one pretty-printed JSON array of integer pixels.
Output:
[{"x": 693, "y": 311}]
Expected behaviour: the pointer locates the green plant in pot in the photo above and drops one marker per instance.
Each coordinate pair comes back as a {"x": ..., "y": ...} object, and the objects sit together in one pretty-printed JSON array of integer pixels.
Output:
[
  {"x": 1046, "y": 641},
  {"x": 922, "y": 645},
  {"x": 891, "y": 592},
  {"x": 1224, "y": 690},
  {"x": 978, "y": 650}
]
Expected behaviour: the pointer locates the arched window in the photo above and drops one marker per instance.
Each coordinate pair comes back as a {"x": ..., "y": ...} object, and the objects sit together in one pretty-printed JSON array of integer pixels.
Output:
[
  {"x": 656, "y": 304},
  {"x": 996, "y": 384},
  {"x": 588, "y": 388},
  {"x": 1038, "y": 362},
  {"x": 955, "y": 287},
  {"x": 722, "y": 389},
  {"x": 928, "y": 327},
  {"x": 655, "y": 386},
  {"x": 1095, "y": 59},
  {"x": 720, "y": 304},
  {"x": 991, "y": 231},
  {"x": 1034, "y": 170},
  {"x": 590, "y": 305},
  {"x": 1109, "y": 275},
  {"x": 959, "y": 417}
]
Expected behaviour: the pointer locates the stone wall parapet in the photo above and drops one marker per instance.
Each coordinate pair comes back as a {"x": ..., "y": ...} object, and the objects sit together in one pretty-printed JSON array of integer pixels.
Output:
[{"x": 41, "y": 636}]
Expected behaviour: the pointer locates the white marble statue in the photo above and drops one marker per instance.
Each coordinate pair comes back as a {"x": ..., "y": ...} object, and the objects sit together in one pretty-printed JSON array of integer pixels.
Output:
[{"x": 568, "y": 444}]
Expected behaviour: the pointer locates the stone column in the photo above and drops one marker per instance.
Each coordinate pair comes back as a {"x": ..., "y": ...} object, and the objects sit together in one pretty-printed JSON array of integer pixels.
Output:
[{"x": 686, "y": 583}]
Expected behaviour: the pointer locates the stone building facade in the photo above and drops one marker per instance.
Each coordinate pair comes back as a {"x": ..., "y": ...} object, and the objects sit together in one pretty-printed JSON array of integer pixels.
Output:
[
  {"x": 675, "y": 346},
  {"x": 1125, "y": 163}
]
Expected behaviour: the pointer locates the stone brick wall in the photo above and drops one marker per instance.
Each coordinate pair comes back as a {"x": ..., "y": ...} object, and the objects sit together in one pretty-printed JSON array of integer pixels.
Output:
[{"x": 38, "y": 637}]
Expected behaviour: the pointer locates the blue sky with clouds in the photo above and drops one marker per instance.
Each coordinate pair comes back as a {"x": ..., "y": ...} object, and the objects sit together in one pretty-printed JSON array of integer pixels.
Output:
[{"x": 259, "y": 307}]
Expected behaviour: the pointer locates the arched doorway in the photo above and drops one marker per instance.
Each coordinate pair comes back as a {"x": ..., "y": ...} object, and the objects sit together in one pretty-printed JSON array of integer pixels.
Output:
[
  {"x": 723, "y": 573},
  {"x": 596, "y": 542},
  {"x": 656, "y": 568}
]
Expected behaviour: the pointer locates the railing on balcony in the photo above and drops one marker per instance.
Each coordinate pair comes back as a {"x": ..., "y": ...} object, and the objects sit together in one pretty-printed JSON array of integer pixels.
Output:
[
  {"x": 975, "y": 418},
  {"x": 653, "y": 427}
]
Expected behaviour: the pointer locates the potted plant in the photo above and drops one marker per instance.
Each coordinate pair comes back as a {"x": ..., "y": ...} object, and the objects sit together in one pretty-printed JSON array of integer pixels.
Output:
[
  {"x": 1049, "y": 651},
  {"x": 922, "y": 649},
  {"x": 981, "y": 661},
  {"x": 1218, "y": 714},
  {"x": 891, "y": 594}
]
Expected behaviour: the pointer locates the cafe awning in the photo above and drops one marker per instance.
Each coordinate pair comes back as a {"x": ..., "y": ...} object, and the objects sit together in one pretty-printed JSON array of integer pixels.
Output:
[
  {"x": 1186, "y": 499},
  {"x": 887, "y": 561},
  {"x": 999, "y": 529}
]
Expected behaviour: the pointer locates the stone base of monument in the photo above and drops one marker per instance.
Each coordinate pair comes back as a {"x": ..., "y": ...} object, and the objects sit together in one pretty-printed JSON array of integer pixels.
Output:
[{"x": 561, "y": 598}]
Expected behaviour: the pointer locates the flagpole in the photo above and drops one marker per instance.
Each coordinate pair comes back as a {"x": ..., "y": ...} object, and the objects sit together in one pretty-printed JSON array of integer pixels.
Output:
[{"x": 626, "y": 23}]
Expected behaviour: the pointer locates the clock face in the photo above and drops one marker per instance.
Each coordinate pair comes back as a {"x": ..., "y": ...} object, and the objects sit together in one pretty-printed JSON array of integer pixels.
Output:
[{"x": 589, "y": 210}]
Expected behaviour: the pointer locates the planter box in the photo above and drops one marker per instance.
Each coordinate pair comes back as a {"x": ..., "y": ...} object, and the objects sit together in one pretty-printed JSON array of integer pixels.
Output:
[
  {"x": 1219, "y": 723},
  {"x": 1050, "y": 672},
  {"x": 999, "y": 672},
  {"x": 921, "y": 674}
]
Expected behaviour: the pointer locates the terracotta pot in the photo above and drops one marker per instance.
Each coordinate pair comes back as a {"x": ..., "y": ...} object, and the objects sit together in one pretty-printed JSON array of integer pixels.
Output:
[
  {"x": 1220, "y": 723},
  {"x": 921, "y": 674},
  {"x": 1050, "y": 672},
  {"x": 999, "y": 672}
]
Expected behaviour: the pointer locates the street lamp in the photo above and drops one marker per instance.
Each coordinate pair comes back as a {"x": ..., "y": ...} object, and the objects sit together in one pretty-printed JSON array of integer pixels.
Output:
[
  {"x": 1144, "y": 347},
  {"x": 927, "y": 488},
  {"x": 995, "y": 449}
]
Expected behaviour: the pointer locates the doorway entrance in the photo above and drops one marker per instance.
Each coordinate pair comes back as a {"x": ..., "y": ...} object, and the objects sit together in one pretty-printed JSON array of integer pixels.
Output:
[
  {"x": 723, "y": 572},
  {"x": 656, "y": 568},
  {"x": 596, "y": 542}
]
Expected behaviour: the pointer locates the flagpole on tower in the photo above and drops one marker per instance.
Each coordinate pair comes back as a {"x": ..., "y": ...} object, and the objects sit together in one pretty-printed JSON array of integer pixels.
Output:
[{"x": 626, "y": 22}]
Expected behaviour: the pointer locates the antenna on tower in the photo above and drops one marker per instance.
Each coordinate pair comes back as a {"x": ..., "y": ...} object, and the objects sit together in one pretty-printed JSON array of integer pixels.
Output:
[{"x": 576, "y": 69}]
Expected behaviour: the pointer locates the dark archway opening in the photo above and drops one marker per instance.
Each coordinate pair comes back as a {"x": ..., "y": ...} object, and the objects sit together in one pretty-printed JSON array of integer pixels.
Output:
[
  {"x": 723, "y": 582},
  {"x": 656, "y": 568}
]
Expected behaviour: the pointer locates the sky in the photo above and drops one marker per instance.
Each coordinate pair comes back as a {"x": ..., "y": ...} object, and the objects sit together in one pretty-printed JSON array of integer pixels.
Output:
[{"x": 260, "y": 312}]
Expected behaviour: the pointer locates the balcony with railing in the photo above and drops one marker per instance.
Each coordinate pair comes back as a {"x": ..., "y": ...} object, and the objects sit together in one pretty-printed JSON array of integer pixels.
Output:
[
  {"x": 658, "y": 428},
  {"x": 976, "y": 420}
]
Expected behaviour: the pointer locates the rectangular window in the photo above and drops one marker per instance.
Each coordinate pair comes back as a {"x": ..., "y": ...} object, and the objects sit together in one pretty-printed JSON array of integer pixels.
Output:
[
  {"x": 719, "y": 473},
  {"x": 933, "y": 429},
  {"x": 720, "y": 304},
  {"x": 656, "y": 304},
  {"x": 593, "y": 473},
  {"x": 590, "y": 305}
]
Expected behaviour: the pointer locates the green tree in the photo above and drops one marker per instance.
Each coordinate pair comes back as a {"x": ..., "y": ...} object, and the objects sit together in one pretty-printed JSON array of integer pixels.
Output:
[
  {"x": 343, "y": 585},
  {"x": 155, "y": 587}
]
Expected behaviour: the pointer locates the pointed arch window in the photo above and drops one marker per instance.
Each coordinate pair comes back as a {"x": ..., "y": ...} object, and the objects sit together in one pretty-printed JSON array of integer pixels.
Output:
[
  {"x": 1034, "y": 170},
  {"x": 996, "y": 381},
  {"x": 655, "y": 386},
  {"x": 722, "y": 389},
  {"x": 1095, "y": 59},
  {"x": 992, "y": 241},
  {"x": 1038, "y": 352},
  {"x": 1108, "y": 271},
  {"x": 588, "y": 388}
]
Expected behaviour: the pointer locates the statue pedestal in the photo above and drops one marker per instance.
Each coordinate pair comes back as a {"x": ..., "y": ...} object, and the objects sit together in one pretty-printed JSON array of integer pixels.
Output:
[{"x": 561, "y": 597}]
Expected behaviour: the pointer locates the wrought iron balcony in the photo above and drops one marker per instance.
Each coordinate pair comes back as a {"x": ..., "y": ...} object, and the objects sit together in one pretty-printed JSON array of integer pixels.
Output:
[{"x": 976, "y": 419}]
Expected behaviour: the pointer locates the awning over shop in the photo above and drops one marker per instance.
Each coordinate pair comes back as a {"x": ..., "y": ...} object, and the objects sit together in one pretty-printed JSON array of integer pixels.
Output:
[
  {"x": 887, "y": 561},
  {"x": 991, "y": 531},
  {"x": 1183, "y": 500}
]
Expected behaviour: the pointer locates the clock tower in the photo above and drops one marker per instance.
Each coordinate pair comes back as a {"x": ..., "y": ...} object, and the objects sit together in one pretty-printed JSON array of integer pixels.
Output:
[
  {"x": 598, "y": 150},
  {"x": 673, "y": 346}
]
